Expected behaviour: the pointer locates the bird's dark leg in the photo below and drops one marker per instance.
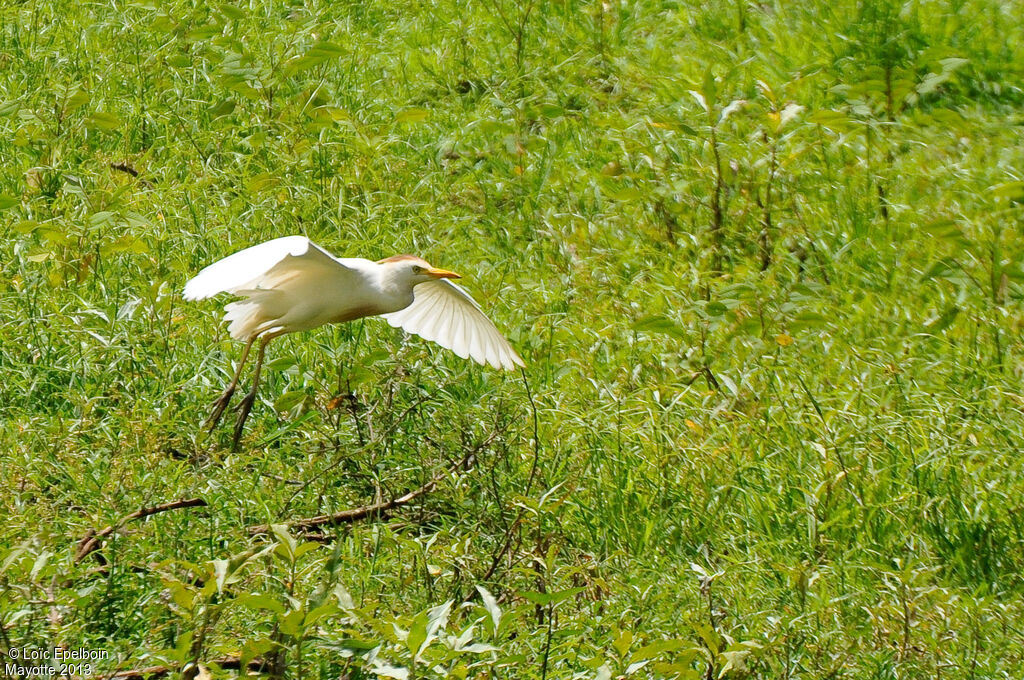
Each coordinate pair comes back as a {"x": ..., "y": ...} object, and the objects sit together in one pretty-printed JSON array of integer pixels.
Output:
[
  {"x": 222, "y": 401},
  {"x": 246, "y": 404}
]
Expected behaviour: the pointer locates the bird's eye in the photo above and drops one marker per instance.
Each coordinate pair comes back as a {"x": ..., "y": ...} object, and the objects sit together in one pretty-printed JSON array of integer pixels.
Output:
[{"x": 416, "y": 269}]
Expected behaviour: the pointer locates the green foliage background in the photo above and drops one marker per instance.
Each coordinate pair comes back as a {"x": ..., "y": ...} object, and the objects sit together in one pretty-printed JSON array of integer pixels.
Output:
[{"x": 764, "y": 262}]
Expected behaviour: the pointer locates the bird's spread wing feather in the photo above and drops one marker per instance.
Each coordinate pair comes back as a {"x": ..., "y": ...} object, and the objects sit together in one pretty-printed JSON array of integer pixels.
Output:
[
  {"x": 262, "y": 266},
  {"x": 445, "y": 313}
]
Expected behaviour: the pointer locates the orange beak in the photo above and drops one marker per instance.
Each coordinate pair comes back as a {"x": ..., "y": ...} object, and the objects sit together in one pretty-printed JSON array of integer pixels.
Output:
[{"x": 442, "y": 274}]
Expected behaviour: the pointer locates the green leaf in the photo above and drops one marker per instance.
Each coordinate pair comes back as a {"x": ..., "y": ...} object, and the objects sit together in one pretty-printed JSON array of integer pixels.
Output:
[
  {"x": 292, "y": 622},
  {"x": 180, "y": 594},
  {"x": 425, "y": 627},
  {"x": 289, "y": 400},
  {"x": 804, "y": 320},
  {"x": 329, "y": 608},
  {"x": 729, "y": 383},
  {"x": 941, "y": 322},
  {"x": 699, "y": 98},
  {"x": 834, "y": 120},
  {"x": 220, "y": 570},
  {"x": 125, "y": 244},
  {"x": 222, "y": 108},
  {"x": 715, "y": 308},
  {"x": 735, "y": 660},
  {"x": 102, "y": 218},
  {"x": 680, "y": 670},
  {"x": 931, "y": 82},
  {"x": 657, "y": 649},
  {"x": 953, "y": 63},
  {"x": 76, "y": 101},
  {"x": 544, "y": 599},
  {"x": 708, "y": 635},
  {"x": 261, "y": 601},
  {"x": 7, "y": 201},
  {"x": 948, "y": 117},
  {"x": 945, "y": 230},
  {"x": 282, "y": 363},
  {"x": 491, "y": 605},
  {"x": 264, "y": 181},
  {"x": 412, "y": 116},
  {"x": 709, "y": 89},
  {"x": 437, "y": 617},
  {"x": 730, "y": 109},
  {"x": 1011, "y": 190},
  {"x": 417, "y": 636},
  {"x": 163, "y": 24},
  {"x": 204, "y": 32},
  {"x": 659, "y": 324},
  {"x": 623, "y": 194},
  {"x": 101, "y": 120},
  {"x": 325, "y": 49},
  {"x": 480, "y": 648},
  {"x": 350, "y": 647},
  {"x": 286, "y": 541},
  {"x": 231, "y": 12},
  {"x": 622, "y": 643},
  {"x": 388, "y": 671},
  {"x": 318, "y": 54},
  {"x": 938, "y": 269},
  {"x": 307, "y": 547}
]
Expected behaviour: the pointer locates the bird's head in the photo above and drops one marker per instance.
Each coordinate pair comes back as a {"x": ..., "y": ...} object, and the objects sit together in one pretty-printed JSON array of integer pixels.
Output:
[{"x": 412, "y": 270}]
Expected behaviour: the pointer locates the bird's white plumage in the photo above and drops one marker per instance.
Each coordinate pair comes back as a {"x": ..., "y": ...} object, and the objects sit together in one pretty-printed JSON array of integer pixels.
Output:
[
  {"x": 443, "y": 312},
  {"x": 288, "y": 284},
  {"x": 292, "y": 284},
  {"x": 241, "y": 270}
]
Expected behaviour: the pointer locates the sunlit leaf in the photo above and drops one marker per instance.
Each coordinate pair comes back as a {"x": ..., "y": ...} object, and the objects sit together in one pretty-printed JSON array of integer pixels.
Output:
[
  {"x": 699, "y": 98},
  {"x": 659, "y": 324},
  {"x": 204, "y": 32},
  {"x": 101, "y": 120},
  {"x": 491, "y": 605},
  {"x": 231, "y": 11},
  {"x": 1011, "y": 190},
  {"x": 412, "y": 116},
  {"x": 552, "y": 598}
]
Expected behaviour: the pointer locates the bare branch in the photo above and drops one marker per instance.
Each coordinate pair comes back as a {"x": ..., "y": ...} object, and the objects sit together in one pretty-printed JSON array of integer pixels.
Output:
[
  {"x": 378, "y": 509},
  {"x": 93, "y": 540}
]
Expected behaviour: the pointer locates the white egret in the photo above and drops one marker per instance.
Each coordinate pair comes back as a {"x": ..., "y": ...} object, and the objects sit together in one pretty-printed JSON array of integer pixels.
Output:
[{"x": 291, "y": 284}]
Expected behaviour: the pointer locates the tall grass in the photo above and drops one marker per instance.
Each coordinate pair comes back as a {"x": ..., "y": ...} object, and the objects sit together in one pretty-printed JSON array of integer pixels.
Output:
[{"x": 763, "y": 261}]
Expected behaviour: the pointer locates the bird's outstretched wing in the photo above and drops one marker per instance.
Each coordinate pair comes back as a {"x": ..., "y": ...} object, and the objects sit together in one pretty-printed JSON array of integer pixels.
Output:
[
  {"x": 263, "y": 266},
  {"x": 446, "y": 314}
]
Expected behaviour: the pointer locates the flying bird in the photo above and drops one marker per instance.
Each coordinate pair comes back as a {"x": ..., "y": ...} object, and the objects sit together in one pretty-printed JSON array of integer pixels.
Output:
[{"x": 291, "y": 284}]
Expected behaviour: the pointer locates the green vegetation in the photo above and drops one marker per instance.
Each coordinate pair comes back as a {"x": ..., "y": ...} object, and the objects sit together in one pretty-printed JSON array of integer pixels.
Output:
[{"x": 764, "y": 262}]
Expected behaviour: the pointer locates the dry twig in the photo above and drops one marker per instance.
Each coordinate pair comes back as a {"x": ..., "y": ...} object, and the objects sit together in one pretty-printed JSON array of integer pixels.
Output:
[
  {"x": 93, "y": 540},
  {"x": 378, "y": 509}
]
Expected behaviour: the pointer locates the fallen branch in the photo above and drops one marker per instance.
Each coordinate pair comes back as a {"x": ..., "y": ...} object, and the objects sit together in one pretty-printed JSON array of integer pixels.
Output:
[
  {"x": 377, "y": 509},
  {"x": 124, "y": 167},
  {"x": 356, "y": 514},
  {"x": 93, "y": 540}
]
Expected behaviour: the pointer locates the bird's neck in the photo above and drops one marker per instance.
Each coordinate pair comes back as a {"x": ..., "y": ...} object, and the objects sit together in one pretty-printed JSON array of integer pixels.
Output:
[{"x": 396, "y": 293}]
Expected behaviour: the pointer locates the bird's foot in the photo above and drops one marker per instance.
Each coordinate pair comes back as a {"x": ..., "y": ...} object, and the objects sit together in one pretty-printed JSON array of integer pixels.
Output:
[
  {"x": 219, "y": 407},
  {"x": 243, "y": 409}
]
